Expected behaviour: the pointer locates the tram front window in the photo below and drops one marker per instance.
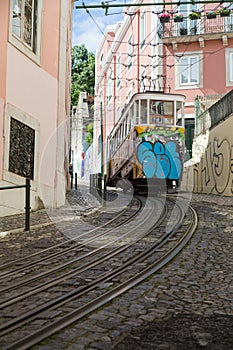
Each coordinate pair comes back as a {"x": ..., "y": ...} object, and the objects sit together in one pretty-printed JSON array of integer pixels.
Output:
[
  {"x": 161, "y": 112},
  {"x": 161, "y": 107}
]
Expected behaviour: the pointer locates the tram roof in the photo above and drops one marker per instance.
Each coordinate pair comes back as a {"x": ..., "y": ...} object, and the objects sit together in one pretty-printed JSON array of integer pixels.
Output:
[{"x": 157, "y": 95}]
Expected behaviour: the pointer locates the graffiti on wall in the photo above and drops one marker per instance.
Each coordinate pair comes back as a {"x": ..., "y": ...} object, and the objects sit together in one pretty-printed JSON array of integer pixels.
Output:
[{"x": 214, "y": 173}]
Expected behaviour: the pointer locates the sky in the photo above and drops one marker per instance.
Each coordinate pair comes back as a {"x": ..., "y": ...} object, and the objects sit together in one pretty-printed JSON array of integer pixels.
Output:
[{"x": 88, "y": 29}]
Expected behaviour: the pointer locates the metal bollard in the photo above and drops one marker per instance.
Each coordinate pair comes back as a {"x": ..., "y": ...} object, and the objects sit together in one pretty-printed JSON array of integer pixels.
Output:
[{"x": 27, "y": 205}]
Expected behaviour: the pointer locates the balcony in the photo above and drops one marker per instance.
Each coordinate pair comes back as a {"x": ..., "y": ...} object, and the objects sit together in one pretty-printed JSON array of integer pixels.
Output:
[{"x": 192, "y": 30}]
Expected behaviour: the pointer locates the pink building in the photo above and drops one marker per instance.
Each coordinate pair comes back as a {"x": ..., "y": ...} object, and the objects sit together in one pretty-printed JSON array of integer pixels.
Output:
[
  {"x": 193, "y": 57},
  {"x": 35, "y": 41}
]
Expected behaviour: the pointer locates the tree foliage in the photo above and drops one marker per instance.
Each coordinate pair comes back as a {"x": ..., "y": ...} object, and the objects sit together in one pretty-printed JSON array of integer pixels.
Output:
[
  {"x": 89, "y": 136},
  {"x": 83, "y": 72}
]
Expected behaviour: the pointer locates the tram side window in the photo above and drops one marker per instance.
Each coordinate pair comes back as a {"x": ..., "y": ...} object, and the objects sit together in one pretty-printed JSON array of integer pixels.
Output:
[
  {"x": 178, "y": 106},
  {"x": 117, "y": 139},
  {"x": 112, "y": 147},
  {"x": 99, "y": 143},
  {"x": 125, "y": 128},
  {"x": 178, "y": 112},
  {"x": 121, "y": 133},
  {"x": 143, "y": 112},
  {"x": 136, "y": 112},
  {"x": 109, "y": 149},
  {"x": 126, "y": 125}
]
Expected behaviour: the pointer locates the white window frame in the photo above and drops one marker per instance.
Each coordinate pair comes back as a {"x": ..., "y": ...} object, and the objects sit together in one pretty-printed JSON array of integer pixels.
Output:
[
  {"x": 118, "y": 72},
  {"x": 33, "y": 51},
  {"x": 142, "y": 85},
  {"x": 109, "y": 88},
  {"x": 118, "y": 113},
  {"x": 129, "y": 95},
  {"x": 101, "y": 60},
  {"x": 229, "y": 66},
  {"x": 190, "y": 85},
  {"x": 130, "y": 51},
  {"x": 143, "y": 30}
]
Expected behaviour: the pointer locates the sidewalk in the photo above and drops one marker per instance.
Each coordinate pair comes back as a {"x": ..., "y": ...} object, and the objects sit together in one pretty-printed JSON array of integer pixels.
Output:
[{"x": 77, "y": 203}]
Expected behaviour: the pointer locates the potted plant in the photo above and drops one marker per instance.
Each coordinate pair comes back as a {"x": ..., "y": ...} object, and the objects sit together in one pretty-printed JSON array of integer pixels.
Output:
[
  {"x": 210, "y": 14},
  {"x": 224, "y": 12},
  {"x": 178, "y": 17},
  {"x": 194, "y": 15},
  {"x": 164, "y": 17}
]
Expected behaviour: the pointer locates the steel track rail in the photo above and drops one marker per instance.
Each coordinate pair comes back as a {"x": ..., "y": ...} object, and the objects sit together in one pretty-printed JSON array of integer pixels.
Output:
[
  {"x": 57, "y": 254},
  {"x": 148, "y": 271},
  {"x": 13, "y": 324},
  {"x": 62, "y": 278},
  {"x": 77, "y": 314}
]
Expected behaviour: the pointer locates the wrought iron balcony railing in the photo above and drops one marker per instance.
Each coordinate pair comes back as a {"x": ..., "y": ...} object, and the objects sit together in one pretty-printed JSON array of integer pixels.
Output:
[{"x": 197, "y": 27}]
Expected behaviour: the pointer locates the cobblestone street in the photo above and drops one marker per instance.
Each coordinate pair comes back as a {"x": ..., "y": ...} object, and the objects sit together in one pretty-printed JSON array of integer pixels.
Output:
[{"x": 187, "y": 305}]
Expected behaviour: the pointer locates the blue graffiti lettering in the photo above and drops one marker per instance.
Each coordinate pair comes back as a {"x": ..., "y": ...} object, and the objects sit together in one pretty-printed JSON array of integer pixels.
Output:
[{"x": 159, "y": 160}]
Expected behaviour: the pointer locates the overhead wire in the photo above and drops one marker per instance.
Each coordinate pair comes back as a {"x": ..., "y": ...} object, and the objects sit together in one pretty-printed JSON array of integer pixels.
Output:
[{"x": 149, "y": 35}]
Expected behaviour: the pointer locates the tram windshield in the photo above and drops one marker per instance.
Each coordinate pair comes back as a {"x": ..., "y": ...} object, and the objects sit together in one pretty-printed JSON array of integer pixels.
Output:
[{"x": 161, "y": 112}]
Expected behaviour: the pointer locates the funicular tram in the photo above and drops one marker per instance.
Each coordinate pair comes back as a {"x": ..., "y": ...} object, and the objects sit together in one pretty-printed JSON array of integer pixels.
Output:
[{"x": 148, "y": 142}]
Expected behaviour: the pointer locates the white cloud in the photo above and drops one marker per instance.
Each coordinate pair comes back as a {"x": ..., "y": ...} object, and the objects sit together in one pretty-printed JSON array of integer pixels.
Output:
[{"x": 88, "y": 29}]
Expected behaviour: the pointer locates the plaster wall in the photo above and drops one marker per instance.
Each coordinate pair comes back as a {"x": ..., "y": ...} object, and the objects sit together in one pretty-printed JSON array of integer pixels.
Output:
[
  {"x": 4, "y": 10},
  {"x": 34, "y": 89},
  {"x": 37, "y": 100}
]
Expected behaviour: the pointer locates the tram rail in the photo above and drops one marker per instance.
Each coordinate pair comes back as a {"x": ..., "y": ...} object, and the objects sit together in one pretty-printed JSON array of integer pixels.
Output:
[
  {"x": 122, "y": 217},
  {"x": 154, "y": 249}
]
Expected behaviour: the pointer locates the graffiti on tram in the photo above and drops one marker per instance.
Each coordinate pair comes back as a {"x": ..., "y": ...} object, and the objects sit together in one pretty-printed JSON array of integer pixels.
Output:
[{"x": 160, "y": 151}]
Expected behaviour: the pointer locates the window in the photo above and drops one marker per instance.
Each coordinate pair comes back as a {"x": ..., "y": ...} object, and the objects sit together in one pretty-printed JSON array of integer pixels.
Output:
[
  {"x": 25, "y": 26},
  {"x": 129, "y": 95},
  {"x": 130, "y": 51},
  {"x": 109, "y": 88},
  {"x": 189, "y": 26},
  {"x": 24, "y": 22},
  {"x": 142, "y": 81},
  {"x": 101, "y": 60},
  {"x": 229, "y": 67},
  {"x": 189, "y": 71},
  {"x": 118, "y": 71},
  {"x": 161, "y": 107},
  {"x": 118, "y": 114},
  {"x": 99, "y": 144},
  {"x": 143, "y": 30}
]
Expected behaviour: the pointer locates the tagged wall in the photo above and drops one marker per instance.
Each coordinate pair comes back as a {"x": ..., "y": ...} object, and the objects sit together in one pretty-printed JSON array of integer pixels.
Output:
[{"x": 211, "y": 169}]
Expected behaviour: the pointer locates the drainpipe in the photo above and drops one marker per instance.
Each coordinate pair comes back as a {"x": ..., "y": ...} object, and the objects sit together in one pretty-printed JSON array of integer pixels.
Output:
[
  {"x": 114, "y": 89},
  {"x": 138, "y": 53}
]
